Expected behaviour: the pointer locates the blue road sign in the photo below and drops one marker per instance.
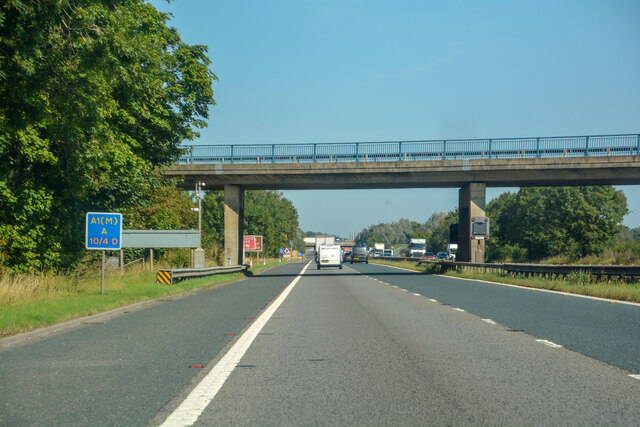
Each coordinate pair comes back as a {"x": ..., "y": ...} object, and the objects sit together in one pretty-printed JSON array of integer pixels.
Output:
[{"x": 103, "y": 231}]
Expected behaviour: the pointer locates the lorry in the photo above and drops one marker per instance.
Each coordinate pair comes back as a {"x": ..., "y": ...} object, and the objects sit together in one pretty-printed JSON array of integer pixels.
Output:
[
  {"x": 452, "y": 249},
  {"x": 417, "y": 247},
  {"x": 378, "y": 250},
  {"x": 329, "y": 256},
  {"x": 324, "y": 240}
]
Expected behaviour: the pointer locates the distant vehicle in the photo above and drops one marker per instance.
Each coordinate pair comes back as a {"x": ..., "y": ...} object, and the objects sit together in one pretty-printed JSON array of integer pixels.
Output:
[
  {"x": 324, "y": 240},
  {"x": 359, "y": 255},
  {"x": 417, "y": 247},
  {"x": 329, "y": 256},
  {"x": 377, "y": 253},
  {"x": 429, "y": 255},
  {"x": 442, "y": 255},
  {"x": 346, "y": 253},
  {"x": 453, "y": 250},
  {"x": 387, "y": 253}
]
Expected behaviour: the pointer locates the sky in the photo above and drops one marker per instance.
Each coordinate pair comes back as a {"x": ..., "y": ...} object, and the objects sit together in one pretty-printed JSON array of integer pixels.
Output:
[{"x": 304, "y": 71}]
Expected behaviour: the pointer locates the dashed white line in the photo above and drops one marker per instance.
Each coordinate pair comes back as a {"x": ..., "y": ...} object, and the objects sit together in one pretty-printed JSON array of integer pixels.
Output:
[
  {"x": 417, "y": 295},
  {"x": 489, "y": 321},
  {"x": 457, "y": 309},
  {"x": 432, "y": 300},
  {"x": 636, "y": 376},
  {"x": 549, "y": 343}
]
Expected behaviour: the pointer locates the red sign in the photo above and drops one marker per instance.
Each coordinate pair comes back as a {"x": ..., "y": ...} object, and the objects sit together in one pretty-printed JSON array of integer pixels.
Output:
[{"x": 252, "y": 243}]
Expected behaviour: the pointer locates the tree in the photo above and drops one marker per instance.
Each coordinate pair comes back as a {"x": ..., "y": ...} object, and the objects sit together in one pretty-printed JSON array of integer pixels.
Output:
[
  {"x": 439, "y": 238},
  {"x": 94, "y": 94},
  {"x": 549, "y": 221},
  {"x": 266, "y": 213}
]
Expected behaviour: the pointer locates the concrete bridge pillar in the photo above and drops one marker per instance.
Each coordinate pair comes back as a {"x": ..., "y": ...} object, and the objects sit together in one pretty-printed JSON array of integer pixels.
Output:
[
  {"x": 233, "y": 224},
  {"x": 472, "y": 200}
]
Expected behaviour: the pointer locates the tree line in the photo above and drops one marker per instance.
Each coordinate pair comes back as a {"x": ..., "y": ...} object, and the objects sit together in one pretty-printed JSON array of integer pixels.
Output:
[
  {"x": 96, "y": 97},
  {"x": 532, "y": 224}
]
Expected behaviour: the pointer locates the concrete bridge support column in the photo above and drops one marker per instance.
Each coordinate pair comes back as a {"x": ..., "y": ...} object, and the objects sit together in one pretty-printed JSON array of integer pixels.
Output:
[
  {"x": 472, "y": 200},
  {"x": 233, "y": 224}
]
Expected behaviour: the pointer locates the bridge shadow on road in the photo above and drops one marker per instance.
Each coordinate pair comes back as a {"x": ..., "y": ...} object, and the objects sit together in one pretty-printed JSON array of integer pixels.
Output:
[{"x": 341, "y": 273}]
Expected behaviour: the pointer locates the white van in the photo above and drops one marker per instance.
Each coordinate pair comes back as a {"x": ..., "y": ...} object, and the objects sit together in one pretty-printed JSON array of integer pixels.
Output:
[{"x": 329, "y": 256}]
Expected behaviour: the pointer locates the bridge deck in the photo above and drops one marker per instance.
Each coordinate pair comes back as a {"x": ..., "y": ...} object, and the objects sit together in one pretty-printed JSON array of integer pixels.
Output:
[{"x": 615, "y": 170}]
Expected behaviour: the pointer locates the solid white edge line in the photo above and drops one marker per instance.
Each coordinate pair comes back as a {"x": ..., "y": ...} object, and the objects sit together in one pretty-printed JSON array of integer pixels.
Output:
[
  {"x": 195, "y": 403},
  {"x": 550, "y": 291},
  {"x": 525, "y": 287},
  {"x": 549, "y": 343}
]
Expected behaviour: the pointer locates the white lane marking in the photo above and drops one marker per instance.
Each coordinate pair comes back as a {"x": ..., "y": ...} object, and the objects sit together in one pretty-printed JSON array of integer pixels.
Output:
[
  {"x": 195, "y": 403},
  {"x": 432, "y": 300},
  {"x": 636, "y": 376},
  {"x": 457, "y": 309},
  {"x": 418, "y": 295},
  {"x": 541, "y": 290},
  {"x": 549, "y": 343},
  {"x": 489, "y": 321},
  {"x": 404, "y": 290}
]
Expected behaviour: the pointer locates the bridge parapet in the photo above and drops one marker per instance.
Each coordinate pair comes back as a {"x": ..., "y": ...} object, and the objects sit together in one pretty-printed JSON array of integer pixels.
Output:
[{"x": 455, "y": 149}]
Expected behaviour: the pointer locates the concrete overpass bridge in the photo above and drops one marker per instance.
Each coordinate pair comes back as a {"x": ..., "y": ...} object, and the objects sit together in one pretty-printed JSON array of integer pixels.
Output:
[{"x": 470, "y": 165}]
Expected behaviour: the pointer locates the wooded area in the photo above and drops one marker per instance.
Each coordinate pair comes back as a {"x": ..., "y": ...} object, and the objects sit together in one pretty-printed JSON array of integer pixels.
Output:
[
  {"x": 95, "y": 96},
  {"x": 533, "y": 224}
]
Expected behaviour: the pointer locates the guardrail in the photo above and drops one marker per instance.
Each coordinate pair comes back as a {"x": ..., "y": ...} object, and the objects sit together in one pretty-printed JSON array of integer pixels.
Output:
[
  {"x": 598, "y": 271},
  {"x": 169, "y": 276},
  {"x": 450, "y": 149}
]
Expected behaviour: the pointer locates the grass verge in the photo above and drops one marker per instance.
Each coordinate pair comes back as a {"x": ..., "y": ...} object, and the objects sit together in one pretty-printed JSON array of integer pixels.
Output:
[
  {"x": 580, "y": 283},
  {"x": 31, "y": 302}
]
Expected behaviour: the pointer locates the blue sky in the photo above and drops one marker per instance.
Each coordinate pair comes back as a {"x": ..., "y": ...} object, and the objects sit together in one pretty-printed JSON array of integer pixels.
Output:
[{"x": 334, "y": 71}]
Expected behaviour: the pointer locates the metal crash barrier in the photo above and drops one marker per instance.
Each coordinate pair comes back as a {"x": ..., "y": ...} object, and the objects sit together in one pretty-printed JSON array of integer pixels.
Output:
[
  {"x": 169, "y": 277},
  {"x": 622, "y": 271}
]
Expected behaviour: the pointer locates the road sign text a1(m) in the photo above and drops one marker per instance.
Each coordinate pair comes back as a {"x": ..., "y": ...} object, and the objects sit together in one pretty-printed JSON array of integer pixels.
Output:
[{"x": 103, "y": 231}]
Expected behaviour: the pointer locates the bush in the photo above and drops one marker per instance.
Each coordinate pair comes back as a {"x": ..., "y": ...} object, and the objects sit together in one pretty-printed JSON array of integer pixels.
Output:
[
  {"x": 497, "y": 252},
  {"x": 581, "y": 278}
]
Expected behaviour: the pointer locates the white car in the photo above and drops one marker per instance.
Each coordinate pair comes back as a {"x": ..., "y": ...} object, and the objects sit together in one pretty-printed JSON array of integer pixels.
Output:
[{"x": 329, "y": 256}]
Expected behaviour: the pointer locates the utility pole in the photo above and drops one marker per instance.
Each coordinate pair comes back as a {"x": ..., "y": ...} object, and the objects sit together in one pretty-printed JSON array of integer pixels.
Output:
[
  {"x": 197, "y": 255},
  {"x": 199, "y": 186}
]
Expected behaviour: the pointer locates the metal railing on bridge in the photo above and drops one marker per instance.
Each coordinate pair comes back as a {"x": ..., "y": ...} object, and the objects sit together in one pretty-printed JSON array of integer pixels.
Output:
[{"x": 454, "y": 149}]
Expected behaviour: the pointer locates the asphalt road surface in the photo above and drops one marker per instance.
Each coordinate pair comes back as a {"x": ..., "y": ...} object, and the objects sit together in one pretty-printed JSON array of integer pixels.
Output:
[{"x": 368, "y": 345}]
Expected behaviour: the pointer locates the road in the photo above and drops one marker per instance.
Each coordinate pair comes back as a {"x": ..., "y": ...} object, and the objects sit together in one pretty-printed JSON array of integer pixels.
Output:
[{"x": 364, "y": 345}]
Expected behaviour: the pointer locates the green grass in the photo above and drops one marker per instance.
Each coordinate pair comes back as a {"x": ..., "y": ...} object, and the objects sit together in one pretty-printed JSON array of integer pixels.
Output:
[
  {"x": 579, "y": 283},
  {"x": 38, "y": 304}
]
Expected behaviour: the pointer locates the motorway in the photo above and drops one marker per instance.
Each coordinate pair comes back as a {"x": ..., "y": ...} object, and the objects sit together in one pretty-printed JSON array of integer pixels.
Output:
[{"x": 365, "y": 345}]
